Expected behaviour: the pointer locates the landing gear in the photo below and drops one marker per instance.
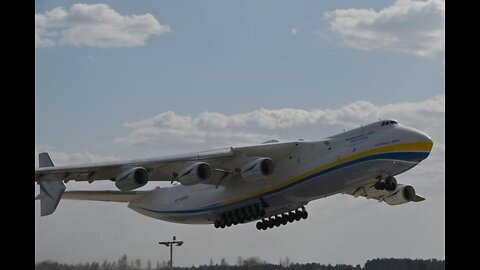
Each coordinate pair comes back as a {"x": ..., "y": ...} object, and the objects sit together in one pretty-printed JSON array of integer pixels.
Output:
[
  {"x": 271, "y": 223},
  {"x": 256, "y": 211},
  {"x": 287, "y": 217},
  {"x": 389, "y": 184},
  {"x": 240, "y": 215},
  {"x": 291, "y": 217},
  {"x": 380, "y": 185},
  {"x": 284, "y": 219},
  {"x": 304, "y": 214}
]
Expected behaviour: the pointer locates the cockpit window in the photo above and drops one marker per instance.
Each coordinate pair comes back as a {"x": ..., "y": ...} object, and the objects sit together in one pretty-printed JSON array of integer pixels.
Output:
[{"x": 384, "y": 123}]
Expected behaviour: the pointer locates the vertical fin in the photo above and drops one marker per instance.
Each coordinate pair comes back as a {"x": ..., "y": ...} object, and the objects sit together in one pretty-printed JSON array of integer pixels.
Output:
[{"x": 50, "y": 192}]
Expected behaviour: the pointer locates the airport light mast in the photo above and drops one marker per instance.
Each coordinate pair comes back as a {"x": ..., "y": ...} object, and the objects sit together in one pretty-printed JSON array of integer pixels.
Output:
[{"x": 170, "y": 244}]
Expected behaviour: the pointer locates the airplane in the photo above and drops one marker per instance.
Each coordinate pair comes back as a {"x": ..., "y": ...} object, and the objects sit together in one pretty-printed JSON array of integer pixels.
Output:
[{"x": 269, "y": 183}]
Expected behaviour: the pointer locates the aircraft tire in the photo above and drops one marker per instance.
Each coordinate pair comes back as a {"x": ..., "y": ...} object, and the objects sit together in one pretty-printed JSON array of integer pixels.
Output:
[
  {"x": 298, "y": 215},
  {"x": 284, "y": 219}
]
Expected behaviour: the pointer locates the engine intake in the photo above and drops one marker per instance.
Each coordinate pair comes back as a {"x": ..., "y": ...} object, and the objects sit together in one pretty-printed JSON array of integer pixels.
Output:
[
  {"x": 258, "y": 169},
  {"x": 401, "y": 195},
  {"x": 194, "y": 174},
  {"x": 132, "y": 179}
]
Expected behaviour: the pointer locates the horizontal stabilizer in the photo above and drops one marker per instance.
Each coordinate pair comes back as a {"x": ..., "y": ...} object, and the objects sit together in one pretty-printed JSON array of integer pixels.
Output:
[
  {"x": 50, "y": 195},
  {"x": 50, "y": 192}
]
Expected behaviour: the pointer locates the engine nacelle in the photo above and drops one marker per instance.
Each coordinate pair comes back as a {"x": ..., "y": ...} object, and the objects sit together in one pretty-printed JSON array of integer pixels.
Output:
[
  {"x": 132, "y": 179},
  {"x": 194, "y": 174},
  {"x": 257, "y": 169},
  {"x": 401, "y": 195}
]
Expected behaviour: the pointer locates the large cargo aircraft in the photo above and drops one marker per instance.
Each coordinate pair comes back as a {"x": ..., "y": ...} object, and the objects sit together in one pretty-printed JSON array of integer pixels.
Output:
[{"x": 270, "y": 183}]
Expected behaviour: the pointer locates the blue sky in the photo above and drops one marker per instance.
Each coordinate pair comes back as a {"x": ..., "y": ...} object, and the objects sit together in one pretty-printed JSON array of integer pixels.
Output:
[
  {"x": 224, "y": 56},
  {"x": 233, "y": 58}
]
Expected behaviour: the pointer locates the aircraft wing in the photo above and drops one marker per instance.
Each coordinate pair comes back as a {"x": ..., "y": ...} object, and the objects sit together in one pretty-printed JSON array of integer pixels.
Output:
[{"x": 223, "y": 162}]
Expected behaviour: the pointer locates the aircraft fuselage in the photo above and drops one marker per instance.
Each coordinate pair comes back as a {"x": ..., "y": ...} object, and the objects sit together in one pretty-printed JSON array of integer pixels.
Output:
[{"x": 312, "y": 170}]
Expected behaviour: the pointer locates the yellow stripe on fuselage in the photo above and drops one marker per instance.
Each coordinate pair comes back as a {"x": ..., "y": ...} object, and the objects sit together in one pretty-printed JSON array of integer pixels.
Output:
[{"x": 416, "y": 147}]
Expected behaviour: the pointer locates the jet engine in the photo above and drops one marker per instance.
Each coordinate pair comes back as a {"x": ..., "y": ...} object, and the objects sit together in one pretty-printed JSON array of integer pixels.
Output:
[
  {"x": 257, "y": 169},
  {"x": 401, "y": 195},
  {"x": 132, "y": 179},
  {"x": 194, "y": 174}
]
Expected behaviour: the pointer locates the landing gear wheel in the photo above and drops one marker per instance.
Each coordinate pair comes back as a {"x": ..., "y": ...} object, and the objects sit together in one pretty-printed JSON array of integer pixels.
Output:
[
  {"x": 304, "y": 215},
  {"x": 379, "y": 185},
  {"x": 264, "y": 225},
  {"x": 284, "y": 219},
  {"x": 390, "y": 183},
  {"x": 278, "y": 221},
  {"x": 259, "y": 225},
  {"x": 298, "y": 215},
  {"x": 291, "y": 217},
  {"x": 271, "y": 223}
]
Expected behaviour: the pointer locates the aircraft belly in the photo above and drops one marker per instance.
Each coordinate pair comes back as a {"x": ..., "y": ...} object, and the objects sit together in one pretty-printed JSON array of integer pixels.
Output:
[
  {"x": 344, "y": 178},
  {"x": 196, "y": 218}
]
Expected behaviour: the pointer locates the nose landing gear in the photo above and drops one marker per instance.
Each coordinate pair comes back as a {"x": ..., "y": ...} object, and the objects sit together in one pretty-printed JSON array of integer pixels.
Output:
[{"x": 389, "y": 183}]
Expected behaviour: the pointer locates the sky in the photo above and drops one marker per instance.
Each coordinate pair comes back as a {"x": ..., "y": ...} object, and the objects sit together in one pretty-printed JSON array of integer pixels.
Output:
[{"x": 131, "y": 79}]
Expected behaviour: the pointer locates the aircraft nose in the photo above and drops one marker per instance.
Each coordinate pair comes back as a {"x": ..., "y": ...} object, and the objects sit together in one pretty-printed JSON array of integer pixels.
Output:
[
  {"x": 424, "y": 139},
  {"x": 429, "y": 139}
]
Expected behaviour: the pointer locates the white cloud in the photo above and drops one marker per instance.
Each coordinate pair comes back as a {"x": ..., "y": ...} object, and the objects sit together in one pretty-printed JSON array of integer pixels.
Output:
[
  {"x": 294, "y": 31},
  {"x": 415, "y": 27},
  {"x": 211, "y": 129},
  {"x": 95, "y": 25}
]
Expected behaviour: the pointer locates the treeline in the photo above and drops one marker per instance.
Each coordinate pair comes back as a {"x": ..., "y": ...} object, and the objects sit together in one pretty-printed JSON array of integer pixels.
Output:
[{"x": 252, "y": 263}]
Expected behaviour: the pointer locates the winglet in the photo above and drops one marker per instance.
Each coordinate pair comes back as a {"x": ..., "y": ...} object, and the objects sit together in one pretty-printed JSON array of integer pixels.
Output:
[
  {"x": 50, "y": 192},
  {"x": 44, "y": 160}
]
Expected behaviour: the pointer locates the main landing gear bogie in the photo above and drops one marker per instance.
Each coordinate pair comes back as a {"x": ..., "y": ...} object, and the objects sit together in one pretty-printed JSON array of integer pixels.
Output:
[
  {"x": 283, "y": 219},
  {"x": 240, "y": 215}
]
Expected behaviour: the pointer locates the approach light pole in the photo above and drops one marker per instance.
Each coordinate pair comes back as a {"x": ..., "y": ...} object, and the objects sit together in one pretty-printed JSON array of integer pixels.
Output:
[{"x": 170, "y": 244}]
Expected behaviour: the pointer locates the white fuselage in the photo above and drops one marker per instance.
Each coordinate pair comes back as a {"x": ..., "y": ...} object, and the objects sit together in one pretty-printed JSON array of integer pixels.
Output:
[{"x": 312, "y": 170}]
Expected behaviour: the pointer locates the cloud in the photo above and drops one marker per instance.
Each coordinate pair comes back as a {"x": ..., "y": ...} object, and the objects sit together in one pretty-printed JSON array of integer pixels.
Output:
[
  {"x": 212, "y": 129},
  {"x": 409, "y": 26},
  {"x": 95, "y": 25},
  {"x": 294, "y": 31}
]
